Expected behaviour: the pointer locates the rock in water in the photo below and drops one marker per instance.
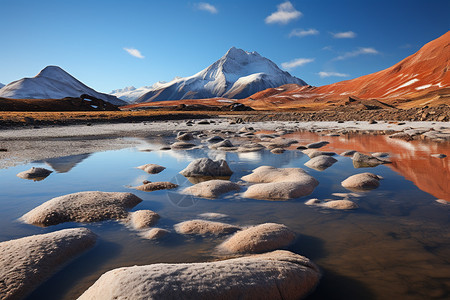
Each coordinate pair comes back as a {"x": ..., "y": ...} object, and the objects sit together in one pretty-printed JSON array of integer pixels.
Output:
[
  {"x": 317, "y": 145},
  {"x": 152, "y": 168},
  {"x": 203, "y": 227},
  {"x": 207, "y": 167},
  {"x": 273, "y": 275},
  {"x": 320, "y": 162},
  {"x": 279, "y": 184},
  {"x": 27, "y": 262},
  {"x": 340, "y": 204},
  {"x": 212, "y": 188},
  {"x": 260, "y": 238},
  {"x": 365, "y": 161},
  {"x": 154, "y": 233},
  {"x": 82, "y": 207},
  {"x": 361, "y": 182},
  {"x": 35, "y": 174},
  {"x": 143, "y": 218},
  {"x": 156, "y": 186}
]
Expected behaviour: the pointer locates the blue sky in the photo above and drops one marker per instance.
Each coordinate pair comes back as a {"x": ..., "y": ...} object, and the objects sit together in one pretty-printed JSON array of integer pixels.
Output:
[{"x": 319, "y": 41}]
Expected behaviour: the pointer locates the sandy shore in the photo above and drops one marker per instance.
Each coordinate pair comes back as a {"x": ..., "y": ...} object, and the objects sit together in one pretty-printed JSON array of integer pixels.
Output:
[{"x": 29, "y": 144}]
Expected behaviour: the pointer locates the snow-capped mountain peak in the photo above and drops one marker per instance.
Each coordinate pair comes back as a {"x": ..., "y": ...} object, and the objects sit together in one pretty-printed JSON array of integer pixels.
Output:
[
  {"x": 237, "y": 74},
  {"x": 52, "y": 82}
]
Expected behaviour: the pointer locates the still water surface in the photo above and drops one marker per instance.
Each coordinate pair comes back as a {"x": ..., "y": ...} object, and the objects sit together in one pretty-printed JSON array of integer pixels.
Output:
[{"x": 395, "y": 245}]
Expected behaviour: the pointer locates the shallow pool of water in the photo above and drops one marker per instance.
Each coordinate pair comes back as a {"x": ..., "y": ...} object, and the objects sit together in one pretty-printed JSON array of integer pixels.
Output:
[{"x": 395, "y": 245}]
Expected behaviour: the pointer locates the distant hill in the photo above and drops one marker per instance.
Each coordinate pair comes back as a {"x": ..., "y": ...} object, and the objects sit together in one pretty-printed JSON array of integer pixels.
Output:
[
  {"x": 52, "y": 83},
  {"x": 420, "y": 77}
]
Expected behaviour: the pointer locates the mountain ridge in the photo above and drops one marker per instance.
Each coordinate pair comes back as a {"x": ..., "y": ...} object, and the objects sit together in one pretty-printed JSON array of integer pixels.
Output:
[
  {"x": 237, "y": 74},
  {"x": 52, "y": 82}
]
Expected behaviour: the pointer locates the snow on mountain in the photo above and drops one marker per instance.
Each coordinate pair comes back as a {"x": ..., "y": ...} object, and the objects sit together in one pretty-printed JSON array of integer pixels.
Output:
[
  {"x": 238, "y": 74},
  {"x": 52, "y": 83}
]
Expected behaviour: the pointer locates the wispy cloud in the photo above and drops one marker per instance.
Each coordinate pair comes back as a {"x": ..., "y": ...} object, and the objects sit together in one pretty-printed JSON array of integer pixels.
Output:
[
  {"x": 286, "y": 12},
  {"x": 134, "y": 52},
  {"x": 298, "y": 62},
  {"x": 324, "y": 74},
  {"x": 207, "y": 7},
  {"x": 357, "y": 52},
  {"x": 302, "y": 32},
  {"x": 344, "y": 35}
]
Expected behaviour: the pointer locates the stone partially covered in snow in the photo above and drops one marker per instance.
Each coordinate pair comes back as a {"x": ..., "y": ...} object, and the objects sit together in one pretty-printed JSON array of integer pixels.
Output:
[
  {"x": 152, "y": 168},
  {"x": 275, "y": 275},
  {"x": 143, "y": 218},
  {"x": 320, "y": 162},
  {"x": 27, "y": 262},
  {"x": 340, "y": 204},
  {"x": 260, "y": 238},
  {"x": 207, "y": 167},
  {"x": 360, "y": 182},
  {"x": 212, "y": 188},
  {"x": 35, "y": 174},
  {"x": 203, "y": 227},
  {"x": 279, "y": 184},
  {"x": 82, "y": 207},
  {"x": 156, "y": 186}
]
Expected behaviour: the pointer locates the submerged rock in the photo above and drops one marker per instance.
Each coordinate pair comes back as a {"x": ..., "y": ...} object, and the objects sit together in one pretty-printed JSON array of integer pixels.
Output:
[
  {"x": 314, "y": 153},
  {"x": 143, "y": 218},
  {"x": 340, "y": 204},
  {"x": 212, "y": 188},
  {"x": 82, "y": 207},
  {"x": 203, "y": 227},
  {"x": 213, "y": 216},
  {"x": 317, "y": 144},
  {"x": 274, "y": 275},
  {"x": 279, "y": 184},
  {"x": 35, "y": 174},
  {"x": 207, "y": 167},
  {"x": 363, "y": 181},
  {"x": 152, "y": 168},
  {"x": 27, "y": 262},
  {"x": 260, "y": 238},
  {"x": 156, "y": 186},
  {"x": 250, "y": 147},
  {"x": 320, "y": 162}
]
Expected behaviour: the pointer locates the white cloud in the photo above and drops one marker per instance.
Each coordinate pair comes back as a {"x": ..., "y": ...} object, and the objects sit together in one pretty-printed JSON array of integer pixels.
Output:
[
  {"x": 286, "y": 12},
  {"x": 324, "y": 74},
  {"x": 301, "y": 32},
  {"x": 134, "y": 52},
  {"x": 207, "y": 7},
  {"x": 357, "y": 52},
  {"x": 344, "y": 35},
  {"x": 298, "y": 62}
]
